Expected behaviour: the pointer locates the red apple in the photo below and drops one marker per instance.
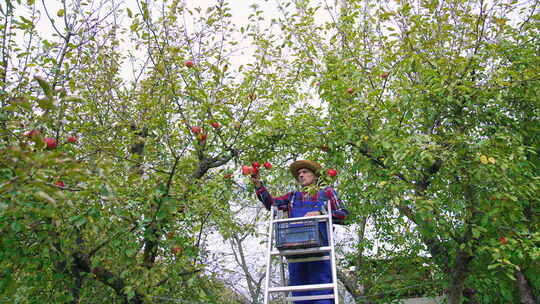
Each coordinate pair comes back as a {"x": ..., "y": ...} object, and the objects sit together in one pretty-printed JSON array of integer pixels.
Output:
[
  {"x": 254, "y": 170},
  {"x": 325, "y": 148},
  {"x": 350, "y": 90},
  {"x": 196, "y": 130},
  {"x": 32, "y": 133},
  {"x": 267, "y": 165},
  {"x": 188, "y": 63},
  {"x": 503, "y": 240},
  {"x": 176, "y": 250},
  {"x": 50, "y": 142},
  {"x": 331, "y": 172},
  {"x": 216, "y": 125},
  {"x": 60, "y": 184},
  {"x": 72, "y": 139},
  {"x": 247, "y": 170},
  {"x": 202, "y": 136},
  {"x": 256, "y": 164}
]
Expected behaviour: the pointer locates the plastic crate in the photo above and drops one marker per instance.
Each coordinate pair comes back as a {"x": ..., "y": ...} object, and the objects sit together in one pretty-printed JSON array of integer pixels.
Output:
[{"x": 298, "y": 235}]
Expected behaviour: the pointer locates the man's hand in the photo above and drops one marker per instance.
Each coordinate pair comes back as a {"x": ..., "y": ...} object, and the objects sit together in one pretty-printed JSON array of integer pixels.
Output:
[{"x": 313, "y": 213}]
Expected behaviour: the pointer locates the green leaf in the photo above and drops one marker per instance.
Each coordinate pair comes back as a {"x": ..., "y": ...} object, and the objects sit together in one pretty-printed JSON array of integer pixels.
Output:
[
  {"x": 46, "y": 104},
  {"x": 16, "y": 226},
  {"x": 45, "y": 86}
]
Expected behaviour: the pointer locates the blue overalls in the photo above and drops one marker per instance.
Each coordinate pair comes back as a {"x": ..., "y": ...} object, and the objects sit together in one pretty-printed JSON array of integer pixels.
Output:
[{"x": 318, "y": 272}]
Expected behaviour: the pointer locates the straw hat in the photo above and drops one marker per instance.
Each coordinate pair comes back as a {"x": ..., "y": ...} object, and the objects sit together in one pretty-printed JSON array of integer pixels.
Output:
[{"x": 301, "y": 164}]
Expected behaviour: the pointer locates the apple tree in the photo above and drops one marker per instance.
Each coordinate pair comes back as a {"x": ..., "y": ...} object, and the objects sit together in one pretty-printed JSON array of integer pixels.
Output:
[
  {"x": 432, "y": 108},
  {"x": 115, "y": 157}
]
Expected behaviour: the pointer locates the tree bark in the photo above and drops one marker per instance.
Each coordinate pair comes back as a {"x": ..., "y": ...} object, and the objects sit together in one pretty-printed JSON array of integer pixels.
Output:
[
  {"x": 107, "y": 278},
  {"x": 351, "y": 285},
  {"x": 525, "y": 291},
  {"x": 457, "y": 278}
]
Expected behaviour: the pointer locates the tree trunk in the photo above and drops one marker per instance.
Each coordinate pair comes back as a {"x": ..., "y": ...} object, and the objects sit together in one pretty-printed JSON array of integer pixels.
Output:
[
  {"x": 457, "y": 278},
  {"x": 525, "y": 291},
  {"x": 351, "y": 285}
]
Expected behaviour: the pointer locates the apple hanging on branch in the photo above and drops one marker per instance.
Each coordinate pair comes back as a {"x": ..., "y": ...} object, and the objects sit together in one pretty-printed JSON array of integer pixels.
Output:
[
  {"x": 247, "y": 170},
  {"x": 51, "y": 143},
  {"x": 72, "y": 139},
  {"x": 60, "y": 184},
  {"x": 202, "y": 137},
  {"x": 254, "y": 168},
  {"x": 176, "y": 250},
  {"x": 196, "y": 130},
  {"x": 331, "y": 172},
  {"x": 32, "y": 133},
  {"x": 384, "y": 75}
]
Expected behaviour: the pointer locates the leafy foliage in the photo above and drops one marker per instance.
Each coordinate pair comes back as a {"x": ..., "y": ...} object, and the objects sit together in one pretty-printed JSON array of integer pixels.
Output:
[{"x": 428, "y": 110}]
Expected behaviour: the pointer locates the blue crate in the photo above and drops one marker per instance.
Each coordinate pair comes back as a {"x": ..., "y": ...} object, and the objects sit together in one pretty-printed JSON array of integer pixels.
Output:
[{"x": 298, "y": 235}]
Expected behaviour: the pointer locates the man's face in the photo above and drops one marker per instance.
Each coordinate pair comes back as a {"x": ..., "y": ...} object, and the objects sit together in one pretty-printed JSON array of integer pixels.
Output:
[{"x": 306, "y": 177}]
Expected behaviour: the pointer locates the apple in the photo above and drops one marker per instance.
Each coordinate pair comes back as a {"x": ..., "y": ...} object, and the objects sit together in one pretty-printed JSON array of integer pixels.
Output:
[
  {"x": 384, "y": 75},
  {"x": 176, "y": 250},
  {"x": 503, "y": 240},
  {"x": 247, "y": 170},
  {"x": 325, "y": 148},
  {"x": 216, "y": 125},
  {"x": 32, "y": 133},
  {"x": 350, "y": 90},
  {"x": 60, "y": 184},
  {"x": 202, "y": 136},
  {"x": 331, "y": 172},
  {"x": 188, "y": 63},
  {"x": 254, "y": 170},
  {"x": 267, "y": 165},
  {"x": 50, "y": 142},
  {"x": 170, "y": 235},
  {"x": 196, "y": 130},
  {"x": 256, "y": 165},
  {"x": 72, "y": 139}
]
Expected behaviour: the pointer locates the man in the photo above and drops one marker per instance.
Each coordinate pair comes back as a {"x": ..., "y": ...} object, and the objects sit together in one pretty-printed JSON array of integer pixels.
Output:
[{"x": 300, "y": 204}]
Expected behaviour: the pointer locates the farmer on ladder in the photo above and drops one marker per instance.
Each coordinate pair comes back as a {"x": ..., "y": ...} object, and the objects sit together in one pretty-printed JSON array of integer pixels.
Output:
[{"x": 300, "y": 204}]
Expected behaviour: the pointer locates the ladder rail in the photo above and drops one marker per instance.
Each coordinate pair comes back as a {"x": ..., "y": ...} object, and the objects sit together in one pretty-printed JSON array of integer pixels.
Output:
[
  {"x": 269, "y": 256},
  {"x": 330, "y": 231}
]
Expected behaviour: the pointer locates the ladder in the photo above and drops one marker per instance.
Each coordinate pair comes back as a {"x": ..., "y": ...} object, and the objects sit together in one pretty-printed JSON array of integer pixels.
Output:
[{"x": 283, "y": 254}]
